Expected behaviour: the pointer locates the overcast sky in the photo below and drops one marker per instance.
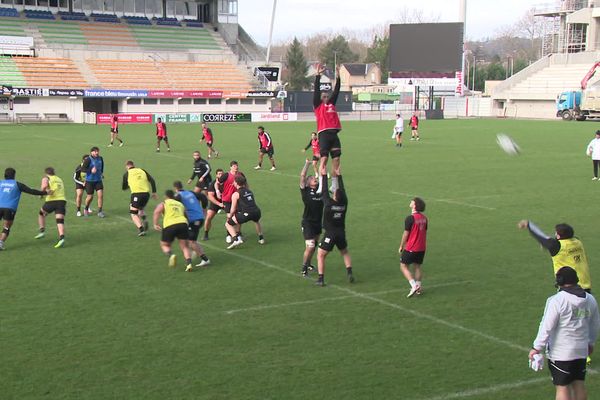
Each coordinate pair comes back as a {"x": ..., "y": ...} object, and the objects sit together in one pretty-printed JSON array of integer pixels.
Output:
[{"x": 303, "y": 17}]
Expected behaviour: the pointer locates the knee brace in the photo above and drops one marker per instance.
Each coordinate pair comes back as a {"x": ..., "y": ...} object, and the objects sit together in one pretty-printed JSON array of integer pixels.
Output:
[
  {"x": 310, "y": 243},
  {"x": 60, "y": 221},
  {"x": 6, "y": 231},
  {"x": 336, "y": 153},
  {"x": 134, "y": 212},
  {"x": 231, "y": 222}
]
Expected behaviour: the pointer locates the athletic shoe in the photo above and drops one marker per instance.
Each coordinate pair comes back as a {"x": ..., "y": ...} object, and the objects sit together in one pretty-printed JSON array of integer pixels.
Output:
[
  {"x": 39, "y": 235},
  {"x": 205, "y": 238},
  {"x": 412, "y": 138},
  {"x": 216, "y": 154},
  {"x": 59, "y": 244},
  {"x": 594, "y": 179},
  {"x": 320, "y": 282},
  {"x": 145, "y": 225},
  {"x": 235, "y": 244},
  {"x": 79, "y": 213},
  {"x": 261, "y": 241},
  {"x": 169, "y": 150},
  {"x": 273, "y": 169},
  {"x": 121, "y": 145},
  {"x": 418, "y": 138},
  {"x": 203, "y": 263},
  {"x": 189, "y": 268},
  {"x": 209, "y": 156},
  {"x": 350, "y": 278},
  {"x": 311, "y": 268},
  {"x": 173, "y": 260},
  {"x": 110, "y": 145},
  {"x": 158, "y": 150},
  {"x": 142, "y": 233},
  {"x": 1, "y": 245},
  {"x": 86, "y": 213},
  {"x": 101, "y": 214},
  {"x": 258, "y": 167},
  {"x": 228, "y": 239},
  {"x": 304, "y": 272},
  {"x": 413, "y": 291}
]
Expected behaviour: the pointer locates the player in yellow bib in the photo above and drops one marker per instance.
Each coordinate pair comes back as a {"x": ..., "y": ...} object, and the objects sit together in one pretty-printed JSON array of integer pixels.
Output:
[
  {"x": 566, "y": 250},
  {"x": 55, "y": 202},
  {"x": 140, "y": 183},
  {"x": 175, "y": 226}
]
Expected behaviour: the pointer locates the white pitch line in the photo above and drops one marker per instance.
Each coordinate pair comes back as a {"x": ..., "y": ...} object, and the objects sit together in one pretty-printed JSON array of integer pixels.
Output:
[
  {"x": 449, "y": 201},
  {"x": 301, "y": 303},
  {"x": 488, "y": 390}
]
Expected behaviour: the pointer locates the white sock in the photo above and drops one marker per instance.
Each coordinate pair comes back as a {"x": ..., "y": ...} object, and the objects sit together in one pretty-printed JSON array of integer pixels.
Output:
[
  {"x": 418, "y": 283},
  {"x": 334, "y": 184},
  {"x": 413, "y": 283}
]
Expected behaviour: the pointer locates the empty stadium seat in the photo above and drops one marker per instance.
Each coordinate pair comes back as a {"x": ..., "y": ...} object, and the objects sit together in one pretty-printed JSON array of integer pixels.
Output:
[
  {"x": 105, "y": 18},
  {"x": 8, "y": 12},
  {"x": 50, "y": 72},
  {"x": 73, "y": 16},
  {"x": 193, "y": 23},
  {"x": 137, "y": 20},
  {"x": 38, "y": 14},
  {"x": 167, "y": 21}
]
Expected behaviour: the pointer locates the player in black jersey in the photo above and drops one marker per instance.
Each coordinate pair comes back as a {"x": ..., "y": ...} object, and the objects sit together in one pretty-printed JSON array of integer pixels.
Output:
[
  {"x": 79, "y": 178},
  {"x": 312, "y": 216},
  {"x": 243, "y": 209},
  {"x": 334, "y": 223},
  {"x": 215, "y": 203},
  {"x": 202, "y": 172}
]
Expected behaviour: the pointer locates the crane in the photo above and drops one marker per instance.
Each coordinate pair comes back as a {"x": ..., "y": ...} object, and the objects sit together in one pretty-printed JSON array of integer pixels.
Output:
[{"x": 589, "y": 75}]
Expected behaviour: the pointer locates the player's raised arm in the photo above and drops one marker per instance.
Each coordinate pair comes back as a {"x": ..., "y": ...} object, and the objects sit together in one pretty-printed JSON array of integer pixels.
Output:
[
  {"x": 336, "y": 89},
  {"x": 549, "y": 243},
  {"x": 317, "y": 92},
  {"x": 303, "y": 174}
]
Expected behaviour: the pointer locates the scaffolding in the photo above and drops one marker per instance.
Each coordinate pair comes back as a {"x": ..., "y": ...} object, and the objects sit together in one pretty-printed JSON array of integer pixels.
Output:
[{"x": 557, "y": 35}]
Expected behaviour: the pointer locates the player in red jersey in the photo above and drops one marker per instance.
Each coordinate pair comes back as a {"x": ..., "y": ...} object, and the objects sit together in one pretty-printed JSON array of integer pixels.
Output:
[
  {"x": 414, "y": 127},
  {"x": 114, "y": 131},
  {"x": 208, "y": 136},
  {"x": 161, "y": 134},
  {"x": 215, "y": 202},
  {"x": 314, "y": 143},
  {"x": 265, "y": 146},
  {"x": 413, "y": 245},
  {"x": 328, "y": 123},
  {"x": 227, "y": 182}
]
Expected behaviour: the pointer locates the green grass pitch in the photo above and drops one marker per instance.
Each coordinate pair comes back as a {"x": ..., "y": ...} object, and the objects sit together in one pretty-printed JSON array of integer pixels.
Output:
[{"x": 105, "y": 318}]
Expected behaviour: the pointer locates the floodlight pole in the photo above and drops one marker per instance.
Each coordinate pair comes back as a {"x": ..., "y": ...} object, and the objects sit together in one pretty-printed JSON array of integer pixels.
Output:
[
  {"x": 271, "y": 31},
  {"x": 463, "y": 18}
]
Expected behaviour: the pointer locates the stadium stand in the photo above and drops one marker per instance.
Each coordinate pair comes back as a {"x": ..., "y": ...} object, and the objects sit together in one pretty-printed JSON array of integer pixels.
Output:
[
  {"x": 193, "y": 23},
  {"x": 61, "y": 32},
  {"x": 10, "y": 74},
  {"x": 175, "y": 38},
  {"x": 105, "y": 18},
  {"x": 167, "y": 21},
  {"x": 50, "y": 72},
  {"x": 114, "y": 74},
  {"x": 9, "y": 12},
  {"x": 38, "y": 14},
  {"x": 12, "y": 27},
  {"x": 73, "y": 16},
  {"x": 137, "y": 20}
]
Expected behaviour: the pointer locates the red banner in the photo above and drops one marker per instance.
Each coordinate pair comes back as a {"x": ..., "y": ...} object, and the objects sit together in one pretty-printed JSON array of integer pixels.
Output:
[
  {"x": 206, "y": 94},
  {"x": 125, "y": 118}
]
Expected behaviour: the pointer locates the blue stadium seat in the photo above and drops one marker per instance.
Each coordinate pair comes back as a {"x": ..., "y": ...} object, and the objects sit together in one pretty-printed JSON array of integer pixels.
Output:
[
  {"x": 193, "y": 24},
  {"x": 9, "y": 12},
  {"x": 167, "y": 21},
  {"x": 37, "y": 14},
  {"x": 105, "y": 18},
  {"x": 137, "y": 20}
]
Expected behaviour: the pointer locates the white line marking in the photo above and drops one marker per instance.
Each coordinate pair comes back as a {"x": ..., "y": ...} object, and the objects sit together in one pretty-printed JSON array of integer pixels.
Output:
[
  {"x": 300, "y": 303},
  {"x": 448, "y": 201},
  {"x": 489, "y": 389}
]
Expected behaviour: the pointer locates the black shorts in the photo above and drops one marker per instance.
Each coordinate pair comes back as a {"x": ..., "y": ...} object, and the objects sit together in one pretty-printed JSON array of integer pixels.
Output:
[
  {"x": 179, "y": 231},
  {"x": 91, "y": 187},
  {"x": 412, "y": 257},
  {"x": 139, "y": 200},
  {"x": 165, "y": 138},
  {"x": 79, "y": 186},
  {"x": 316, "y": 158},
  {"x": 194, "y": 229},
  {"x": 227, "y": 206},
  {"x": 414, "y": 128},
  {"x": 333, "y": 238},
  {"x": 328, "y": 139},
  {"x": 114, "y": 131},
  {"x": 243, "y": 217},
  {"x": 268, "y": 152},
  {"x": 203, "y": 185},
  {"x": 398, "y": 133},
  {"x": 209, "y": 144},
  {"x": 566, "y": 372},
  {"x": 212, "y": 206},
  {"x": 7, "y": 214},
  {"x": 310, "y": 230},
  {"x": 56, "y": 206}
]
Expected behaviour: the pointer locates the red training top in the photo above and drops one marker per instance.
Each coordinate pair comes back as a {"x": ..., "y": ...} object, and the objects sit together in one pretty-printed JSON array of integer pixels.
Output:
[
  {"x": 229, "y": 189},
  {"x": 207, "y": 133},
  {"x": 416, "y": 225},
  {"x": 114, "y": 123},
  {"x": 161, "y": 129},
  {"x": 414, "y": 121},
  {"x": 314, "y": 143},
  {"x": 327, "y": 117}
]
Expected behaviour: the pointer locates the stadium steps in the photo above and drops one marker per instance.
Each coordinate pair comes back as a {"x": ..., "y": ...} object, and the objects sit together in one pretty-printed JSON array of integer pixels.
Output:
[
  {"x": 9, "y": 73},
  {"x": 50, "y": 72},
  {"x": 87, "y": 73}
]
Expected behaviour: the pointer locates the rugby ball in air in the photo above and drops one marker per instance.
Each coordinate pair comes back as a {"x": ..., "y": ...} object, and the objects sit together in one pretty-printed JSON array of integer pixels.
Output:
[{"x": 507, "y": 144}]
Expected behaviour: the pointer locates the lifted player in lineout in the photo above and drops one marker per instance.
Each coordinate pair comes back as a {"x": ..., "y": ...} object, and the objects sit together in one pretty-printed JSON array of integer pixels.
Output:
[
  {"x": 54, "y": 202},
  {"x": 161, "y": 135},
  {"x": 10, "y": 195},
  {"x": 328, "y": 123}
]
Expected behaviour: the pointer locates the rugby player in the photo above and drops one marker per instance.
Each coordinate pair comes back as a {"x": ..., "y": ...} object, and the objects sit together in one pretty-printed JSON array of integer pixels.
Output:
[
  {"x": 398, "y": 130},
  {"x": 215, "y": 203},
  {"x": 414, "y": 127},
  {"x": 312, "y": 216},
  {"x": 413, "y": 245},
  {"x": 141, "y": 183},
  {"x": 161, "y": 134},
  {"x": 227, "y": 181},
  {"x": 175, "y": 226},
  {"x": 314, "y": 143},
  {"x": 114, "y": 131},
  {"x": 55, "y": 202},
  {"x": 335, "y": 208},
  {"x": 93, "y": 166},
  {"x": 79, "y": 178},
  {"x": 207, "y": 135},
  {"x": 243, "y": 209},
  {"x": 265, "y": 146},
  {"x": 10, "y": 195},
  {"x": 195, "y": 217},
  {"x": 201, "y": 171},
  {"x": 328, "y": 123}
]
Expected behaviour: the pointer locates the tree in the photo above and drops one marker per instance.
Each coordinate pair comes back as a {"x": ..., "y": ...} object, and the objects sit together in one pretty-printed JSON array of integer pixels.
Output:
[
  {"x": 337, "y": 50},
  {"x": 297, "y": 67},
  {"x": 378, "y": 53}
]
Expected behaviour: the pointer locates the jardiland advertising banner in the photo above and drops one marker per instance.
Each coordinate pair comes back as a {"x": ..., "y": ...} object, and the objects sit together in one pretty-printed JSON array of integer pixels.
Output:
[
  {"x": 227, "y": 117},
  {"x": 275, "y": 117},
  {"x": 178, "y": 118}
]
